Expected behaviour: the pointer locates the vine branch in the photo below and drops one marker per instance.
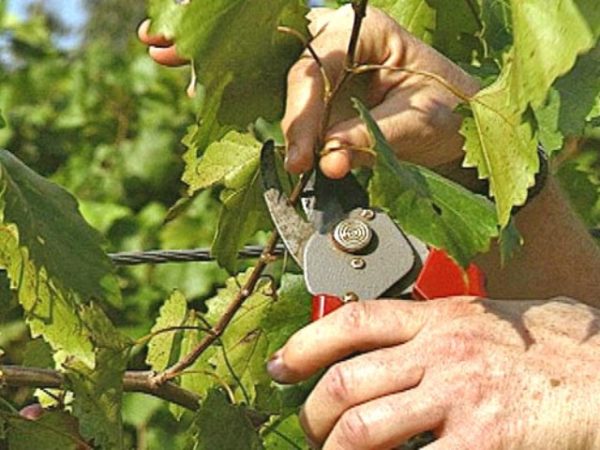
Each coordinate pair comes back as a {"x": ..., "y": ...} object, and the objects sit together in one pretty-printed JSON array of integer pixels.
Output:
[
  {"x": 360, "y": 12},
  {"x": 133, "y": 381}
]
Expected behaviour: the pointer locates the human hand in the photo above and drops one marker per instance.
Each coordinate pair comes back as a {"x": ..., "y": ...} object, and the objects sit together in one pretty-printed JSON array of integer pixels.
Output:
[
  {"x": 480, "y": 374},
  {"x": 415, "y": 113},
  {"x": 160, "y": 49}
]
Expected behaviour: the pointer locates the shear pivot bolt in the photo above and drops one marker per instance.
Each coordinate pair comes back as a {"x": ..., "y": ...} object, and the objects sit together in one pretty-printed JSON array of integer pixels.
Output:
[
  {"x": 367, "y": 214},
  {"x": 358, "y": 263},
  {"x": 352, "y": 235}
]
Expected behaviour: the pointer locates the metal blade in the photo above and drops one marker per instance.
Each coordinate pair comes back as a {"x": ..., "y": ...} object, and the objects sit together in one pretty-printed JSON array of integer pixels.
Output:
[
  {"x": 292, "y": 228},
  {"x": 328, "y": 201}
]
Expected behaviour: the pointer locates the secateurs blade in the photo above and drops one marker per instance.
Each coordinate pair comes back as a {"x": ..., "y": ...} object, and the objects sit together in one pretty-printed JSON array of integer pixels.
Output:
[{"x": 350, "y": 251}]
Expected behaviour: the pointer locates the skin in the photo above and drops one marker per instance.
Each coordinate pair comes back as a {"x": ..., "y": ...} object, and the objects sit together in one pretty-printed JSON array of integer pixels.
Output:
[{"x": 480, "y": 373}]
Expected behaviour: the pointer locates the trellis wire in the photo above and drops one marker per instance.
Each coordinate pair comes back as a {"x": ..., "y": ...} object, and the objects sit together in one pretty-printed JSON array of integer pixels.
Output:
[{"x": 181, "y": 256}]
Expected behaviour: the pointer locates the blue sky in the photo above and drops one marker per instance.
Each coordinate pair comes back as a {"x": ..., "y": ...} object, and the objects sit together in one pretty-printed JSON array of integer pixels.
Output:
[{"x": 71, "y": 11}]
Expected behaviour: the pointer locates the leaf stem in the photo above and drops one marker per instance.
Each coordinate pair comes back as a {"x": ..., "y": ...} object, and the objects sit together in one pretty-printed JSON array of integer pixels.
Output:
[
  {"x": 432, "y": 76},
  {"x": 144, "y": 339},
  {"x": 313, "y": 54}
]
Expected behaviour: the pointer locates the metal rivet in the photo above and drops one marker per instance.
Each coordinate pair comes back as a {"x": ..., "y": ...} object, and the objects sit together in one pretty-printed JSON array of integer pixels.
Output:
[
  {"x": 358, "y": 263},
  {"x": 350, "y": 297},
  {"x": 352, "y": 235},
  {"x": 367, "y": 214}
]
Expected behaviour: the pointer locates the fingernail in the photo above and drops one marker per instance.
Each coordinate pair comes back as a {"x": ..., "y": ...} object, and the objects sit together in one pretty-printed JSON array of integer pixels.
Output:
[
  {"x": 332, "y": 145},
  {"x": 276, "y": 367}
]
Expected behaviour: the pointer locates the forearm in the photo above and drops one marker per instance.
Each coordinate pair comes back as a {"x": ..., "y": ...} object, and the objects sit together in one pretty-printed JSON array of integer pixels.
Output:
[{"x": 559, "y": 256}]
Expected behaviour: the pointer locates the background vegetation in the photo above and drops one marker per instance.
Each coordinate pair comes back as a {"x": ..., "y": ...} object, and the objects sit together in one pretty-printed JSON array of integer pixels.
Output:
[{"x": 103, "y": 121}]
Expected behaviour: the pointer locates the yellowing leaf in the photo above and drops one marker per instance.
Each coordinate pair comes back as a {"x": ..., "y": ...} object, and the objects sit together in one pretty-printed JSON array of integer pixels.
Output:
[
  {"x": 548, "y": 37},
  {"x": 501, "y": 146}
]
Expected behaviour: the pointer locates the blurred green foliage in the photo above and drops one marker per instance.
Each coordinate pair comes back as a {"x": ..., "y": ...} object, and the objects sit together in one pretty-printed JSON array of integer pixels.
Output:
[{"x": 102, "y": 120}]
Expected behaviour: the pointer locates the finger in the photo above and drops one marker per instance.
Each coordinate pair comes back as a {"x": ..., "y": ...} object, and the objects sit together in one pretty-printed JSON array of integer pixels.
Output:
[
  {"x": 356, "y": 381},
  {"x": 358, "y": 326},
  {"x": 386, "y": 422},
  {"x": 167, "y": 56},
  {"x": 156, "y": 40},
  {"x": 304, "y": 113},
  {"x": 392, "y": 117}
]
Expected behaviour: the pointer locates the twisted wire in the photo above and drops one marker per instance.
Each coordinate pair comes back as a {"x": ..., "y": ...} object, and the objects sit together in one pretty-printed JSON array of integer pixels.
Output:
[{"x": 181, "y": 256}]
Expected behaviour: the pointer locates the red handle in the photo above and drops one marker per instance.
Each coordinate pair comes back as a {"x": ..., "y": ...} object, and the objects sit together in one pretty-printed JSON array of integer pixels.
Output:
[
  {"x": 323, "y": 304},
  {"x": 440, "y": 277}
]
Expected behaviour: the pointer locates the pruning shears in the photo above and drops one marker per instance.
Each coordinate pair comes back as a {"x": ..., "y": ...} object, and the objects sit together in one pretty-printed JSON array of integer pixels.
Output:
[{"x": 349, "y": 251}]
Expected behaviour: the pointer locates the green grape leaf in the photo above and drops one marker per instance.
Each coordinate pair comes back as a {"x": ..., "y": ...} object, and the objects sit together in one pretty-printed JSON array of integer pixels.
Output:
[
  {"x": 547, "y": 121},
  {"x": 53, "y": 233},
  {"x": 455, "y": 30},
  {"x": 201, "y": 376},
  {"x": 496, "y": 19},
  {"x": 98, "y": 392},
  {"x": 238, "y": 360},
  {"x": 579, "y": 90},
  {"x": 243, "y": 214},
  {"x": 53, "y": 258},
  {"x": 426, "y": 205},
  {"x": 38, "y": 354},
  {"x": 288, "y": 313},
  {"x": 417, "y": 16},
  {"x": 234, "y": 157},
  {"x": 255, "y": 66},
  {"x": 501, "y": 145},
  {"x": 580, "y": 179},
  {"x": 241, "y": 360},
  {"x": 285, "y": 434},
  {"x": 163, "y": 347},
  {"x": 201, "y": 135},
  {"x": 2, "y": 120},
  {"x": 52, "y": 431},
  {"x": 548, "y": 37},
  {"x": 50, "y": 312},
  {"x": 233, "y": 162},
  {"x": 215, "y": 412}
]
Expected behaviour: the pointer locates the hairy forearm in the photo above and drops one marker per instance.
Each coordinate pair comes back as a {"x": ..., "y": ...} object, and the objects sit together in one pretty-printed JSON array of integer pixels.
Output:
[{"x": 559, "y": 256}]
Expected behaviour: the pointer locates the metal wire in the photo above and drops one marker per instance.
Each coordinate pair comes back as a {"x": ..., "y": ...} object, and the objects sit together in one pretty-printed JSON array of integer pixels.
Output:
[
  {"x": 201, "y": 254},
  {"x": 181, "y": 256}
]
